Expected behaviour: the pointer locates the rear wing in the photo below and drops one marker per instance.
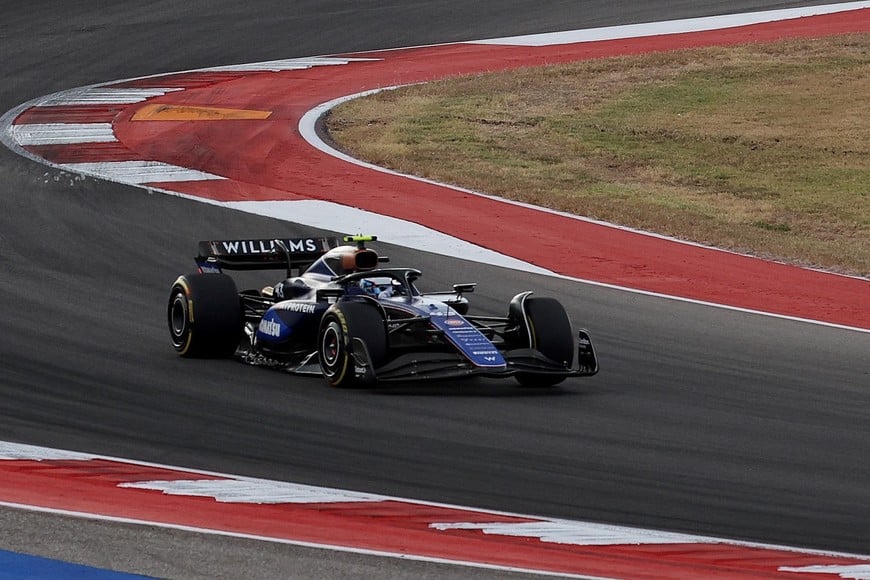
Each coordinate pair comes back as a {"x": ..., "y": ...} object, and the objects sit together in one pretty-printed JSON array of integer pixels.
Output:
[{"x": 268, "y": 254}]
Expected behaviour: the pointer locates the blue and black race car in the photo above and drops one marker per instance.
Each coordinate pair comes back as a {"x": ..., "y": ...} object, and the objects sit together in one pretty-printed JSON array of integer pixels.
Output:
[{"x": 340, "y": 313}]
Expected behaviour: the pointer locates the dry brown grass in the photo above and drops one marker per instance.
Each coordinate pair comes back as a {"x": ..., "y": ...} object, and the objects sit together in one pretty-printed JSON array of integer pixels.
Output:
[{"x": 762, "y": 148}]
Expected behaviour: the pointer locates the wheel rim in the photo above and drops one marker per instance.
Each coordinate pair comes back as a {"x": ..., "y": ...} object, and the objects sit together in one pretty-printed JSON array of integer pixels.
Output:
[
  {"x": 178, "y": 318},
  {"x": 330, "y": 346}
]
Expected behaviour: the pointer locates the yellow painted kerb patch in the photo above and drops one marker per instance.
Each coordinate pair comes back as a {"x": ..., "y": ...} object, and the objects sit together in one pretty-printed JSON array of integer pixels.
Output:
[{"x": 159, "y": 112}]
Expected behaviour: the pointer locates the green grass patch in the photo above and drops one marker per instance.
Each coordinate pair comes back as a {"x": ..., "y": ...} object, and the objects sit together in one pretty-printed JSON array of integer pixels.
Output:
[{"x": 761, "y": 148}]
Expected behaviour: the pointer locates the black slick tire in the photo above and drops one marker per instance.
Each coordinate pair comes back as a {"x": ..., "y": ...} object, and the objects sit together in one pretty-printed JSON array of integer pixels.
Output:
[
  {"x": 551, "y": 334},
  {"x": 205, "y": 316},
  {"x": 341, "y": 324}
]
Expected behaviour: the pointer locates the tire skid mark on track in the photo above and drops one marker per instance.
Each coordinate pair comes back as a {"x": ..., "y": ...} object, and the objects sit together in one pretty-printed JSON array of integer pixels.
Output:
[
  {"x": 42, "y": 478},
  {"x": 267, "y": 160}
]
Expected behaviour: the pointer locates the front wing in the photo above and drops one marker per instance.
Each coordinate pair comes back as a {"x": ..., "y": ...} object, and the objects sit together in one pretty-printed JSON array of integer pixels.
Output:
[{"x": 424, "y": 365}]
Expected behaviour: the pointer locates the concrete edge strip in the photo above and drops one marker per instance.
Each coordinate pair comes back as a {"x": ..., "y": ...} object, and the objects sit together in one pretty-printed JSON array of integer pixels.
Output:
[
  {"x": 307, "y": 128},
  {"x": 11, "y": 451},
  {"x": 301, "y": 544},
  {"x": 309, "y": 120},
  {"x": 673, "y": 26}
]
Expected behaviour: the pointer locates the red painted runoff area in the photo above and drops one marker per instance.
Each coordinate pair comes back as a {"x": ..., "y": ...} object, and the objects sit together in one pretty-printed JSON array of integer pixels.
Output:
[
  {"x": 119, "y": 489},
  {"x": 267, "y": 159},
  {"x": 214, "y": 122}
]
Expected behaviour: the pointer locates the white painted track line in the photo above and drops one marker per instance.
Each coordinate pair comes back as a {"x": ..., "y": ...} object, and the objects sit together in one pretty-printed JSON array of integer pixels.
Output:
[{"x": 672, "y": 26}]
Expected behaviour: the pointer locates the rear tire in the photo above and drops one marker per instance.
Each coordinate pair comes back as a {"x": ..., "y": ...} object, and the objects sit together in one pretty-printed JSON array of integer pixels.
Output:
[
  {"x": 550, "y": 333},
  {"x": 340, "y": 325},
  {"x": 205, "y": 316}
]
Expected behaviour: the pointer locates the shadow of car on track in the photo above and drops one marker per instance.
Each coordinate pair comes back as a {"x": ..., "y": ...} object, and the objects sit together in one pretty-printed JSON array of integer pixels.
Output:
[{"x": 482, "y": 388}]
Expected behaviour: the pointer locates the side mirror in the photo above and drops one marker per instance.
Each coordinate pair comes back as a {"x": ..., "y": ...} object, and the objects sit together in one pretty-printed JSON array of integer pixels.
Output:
[{"x": 464, "y": 288}]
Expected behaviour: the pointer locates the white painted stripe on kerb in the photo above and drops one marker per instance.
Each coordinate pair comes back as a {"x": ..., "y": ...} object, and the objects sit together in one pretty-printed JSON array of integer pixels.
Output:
[
  {"x": 21, "y": 451},
  {"x": 63, "y": 133},
  {"x": 103, "y": 96},
  {"x": 258, "y": 491},
  {"x": 307, "y": 125},
  {"x": 852, "y": 572},
  {"x": 341, "y": 218},
  {"x": 238, "y": 489},
  {"x": 288, "y": 64},
  {"x": 138, "y": 172},
  {"x": 314, "y": 545},
  {"x": 671, "y": 26},
  {"x": 307, "y": 128},
  {"x": 577, "y": 533}
]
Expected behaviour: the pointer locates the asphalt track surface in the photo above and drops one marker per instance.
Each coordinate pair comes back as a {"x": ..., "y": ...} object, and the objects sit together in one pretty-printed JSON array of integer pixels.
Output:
[{"x": 702, "y": 420}]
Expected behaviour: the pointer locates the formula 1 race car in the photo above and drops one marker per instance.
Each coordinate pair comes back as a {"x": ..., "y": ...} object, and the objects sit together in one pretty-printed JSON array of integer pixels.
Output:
[{"x": 345, "y": 317}]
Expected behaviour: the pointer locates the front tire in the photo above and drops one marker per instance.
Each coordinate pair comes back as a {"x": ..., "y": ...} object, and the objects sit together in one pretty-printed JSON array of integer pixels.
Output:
[
  {"x": 550, "y": 333},
  {"x": 340, "y": 326},
  {"x": 205, "y": 316}
]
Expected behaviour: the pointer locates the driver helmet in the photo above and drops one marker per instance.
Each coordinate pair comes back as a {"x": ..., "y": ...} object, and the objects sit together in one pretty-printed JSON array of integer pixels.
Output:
[
  {"x": 369, "y": 287},
  {"x": 377, "y": 289}
]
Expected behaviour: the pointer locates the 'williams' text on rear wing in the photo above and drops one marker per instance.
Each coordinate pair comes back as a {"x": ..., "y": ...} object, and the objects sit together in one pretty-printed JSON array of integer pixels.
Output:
[{"x": 266, "y": 254}]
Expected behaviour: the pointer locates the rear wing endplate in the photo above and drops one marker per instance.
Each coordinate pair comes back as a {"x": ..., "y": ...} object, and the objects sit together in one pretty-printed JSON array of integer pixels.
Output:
[{"x": 266, "y": 254}]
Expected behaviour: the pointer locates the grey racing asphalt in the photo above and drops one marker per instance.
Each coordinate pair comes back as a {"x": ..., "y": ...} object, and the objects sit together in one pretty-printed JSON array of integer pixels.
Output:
[{"x": 702, "y": 420}]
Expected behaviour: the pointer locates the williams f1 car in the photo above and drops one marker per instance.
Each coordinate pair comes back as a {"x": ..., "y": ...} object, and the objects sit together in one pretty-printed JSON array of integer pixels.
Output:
[{"x": 340, "y": 313}]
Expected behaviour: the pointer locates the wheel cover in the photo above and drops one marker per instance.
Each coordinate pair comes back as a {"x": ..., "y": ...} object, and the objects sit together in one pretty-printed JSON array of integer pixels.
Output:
[
  {"x": 178, "y": 319},
  {"x": 330, "y": 346}
]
